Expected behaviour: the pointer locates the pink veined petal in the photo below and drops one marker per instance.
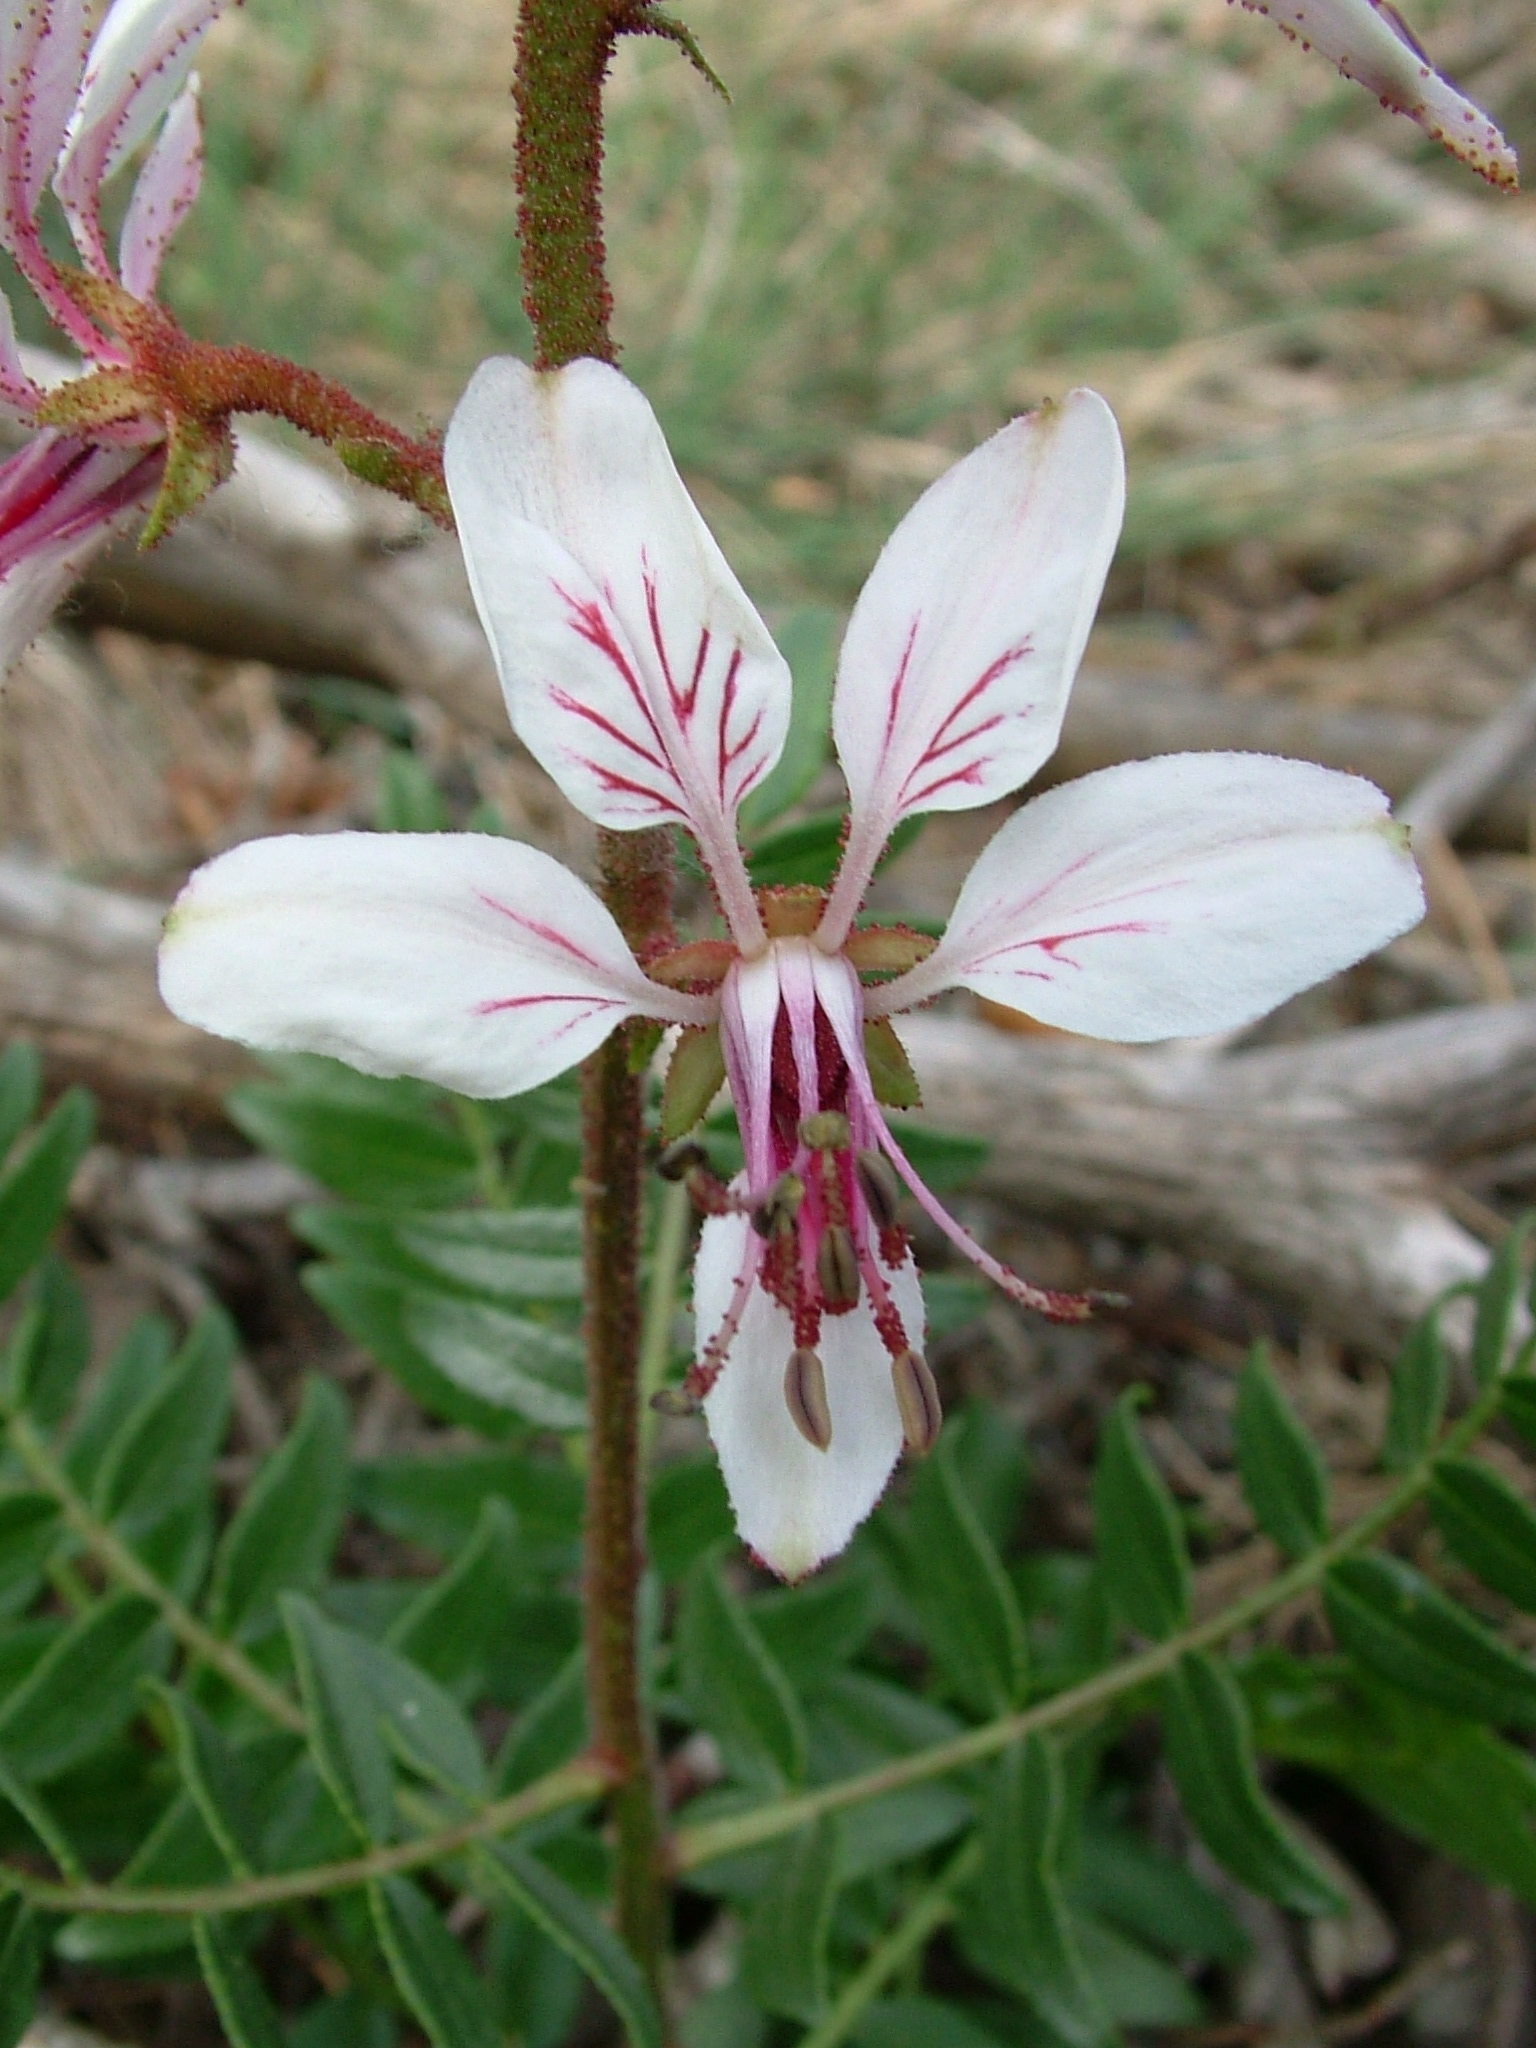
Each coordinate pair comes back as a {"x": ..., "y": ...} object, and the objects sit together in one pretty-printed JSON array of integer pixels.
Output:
[
  {"x": 749, "y": 1010},
  {"x": 471, "y": 961},
  {"x": 39, "y": 96},
  {"x": 163, "y": 194},
  {"x": 1173, "y": 897},
  {"x": 61, "y": 501},
  {"x": 17, "y": 391},
  {"x": 963, "y": 645},
  {"x": 634, "y": 666},
  {"x": 1371, "y": 43},
  {"x": 794, "y": 1505}
]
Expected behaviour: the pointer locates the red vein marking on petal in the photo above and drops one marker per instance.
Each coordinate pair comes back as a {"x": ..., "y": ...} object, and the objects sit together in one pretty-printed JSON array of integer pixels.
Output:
[
  {"x": 622, "y": 785},
  {"x": 591, "y": 625},
  {"x": 898, "y": 682},
  {"x": 725, "y": 755},
  {"x": 697, "y": 677},
  {"x": 547, "y": 932},
  {"x": 606, "y": 725},
  {"x": 682, "y": 705},
  {"x": 493, "y": 1005},
  {"x": 938, "y": 745},
  {"x": 1052, "y": 944},
  {"x": 914, "y": 799}
]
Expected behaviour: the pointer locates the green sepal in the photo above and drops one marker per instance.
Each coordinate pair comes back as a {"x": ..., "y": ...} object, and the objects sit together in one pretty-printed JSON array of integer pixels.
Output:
[
  {"x": 197, "y": 459},
  {"x": 644, "y": 1037},
  {"x": 890, "y": 1071},
  {"x": 106, "y": 398},
  {"x": 694, "y": 1079}
]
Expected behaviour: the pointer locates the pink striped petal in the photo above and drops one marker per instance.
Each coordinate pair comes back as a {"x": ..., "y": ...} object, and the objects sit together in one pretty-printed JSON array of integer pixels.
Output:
[
  {"x": 1372, "y": 44},
  {"x": 635, "y": 668},
  {"x": 963, "y": 645},
  {"x": 163, "y": 194},
  {"x": 61, "y": 501},
  {"x": 44, "y": 54},
  {"x": 1168, "y": 898},
  {"x": 471, "y": 961},
  {"x": 18, "y": 393}
]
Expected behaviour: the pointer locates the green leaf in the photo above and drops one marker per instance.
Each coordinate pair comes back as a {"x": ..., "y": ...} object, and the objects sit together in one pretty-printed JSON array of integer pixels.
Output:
[
  {"x": 784, "y": 1953},
  {"x": 364, "y": 1152},
  {"x": 1487, "y": 1525},
  {"x": 424, "y": 1725},
  {"x": 1517, "y": 1405},
  {"x": 1122, "y": 1879},
  {"x": 1015, "y": 1926},
  {"x": 408, "y": 800},
  {"x": 1421, "y": 1378},
  {"x": 141, "y": 1358},
  {"x": 1284, "y": 1479},
  {"x": 281, "y": 1536},
  {"x": 942, "y": 1159},
  {"x": 436, "y": 1501},
  {"x": 245, "y": 2012},
  {"x": 21, "y": 1083},
  {"x": 1135, "y": 1987},
  {"x": 970, "y": 1617},
  {"x": 815, "y": 1628},
  {"x": 52, "y": 1344},
  {"x": 165, "y": 1449},
  {"x": 452, "y": 1627},
  {"x": 1389, "y": 1616},
  {"x": 879, "y": 1832},
  {"x": 1498, "y": 1297},
  {"x": 431, "y": 1969},
  {"x": 35, "y": 1185},
  {"x": 550, "y": 1731},
  {"x": 567, "y": 1919},
  {"x": 1208, "y": 1741},
  {"x": 212, "y": 1777},
  {"x": 1137, "y": 1533},
  {"x": 82, "y": 1690},
  {"x": 507, "y": 1255},
  {"x": 21, "y": 1968},
  {"x": 735, "y": 1687},
  {"x": 344, "y": 1734},
  {"x": 687, "y": 1514},
  {"x": 804, "y": 853},
  {"x": 919, "y": 2023},
  {"x": 807, "y": 636},
  {"x": 29, "y": 1528}
]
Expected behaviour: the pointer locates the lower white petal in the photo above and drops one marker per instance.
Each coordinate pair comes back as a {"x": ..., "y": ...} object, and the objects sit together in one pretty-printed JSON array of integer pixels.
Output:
[
  {"x": 796, "y": 1506},
  {"x": 475, "y": 962}
]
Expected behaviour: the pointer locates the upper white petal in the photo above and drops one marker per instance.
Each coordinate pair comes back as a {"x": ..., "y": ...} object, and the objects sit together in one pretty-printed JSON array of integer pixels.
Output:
[
  {"x": 962, "y": 648},
  {"x": 163, "y": 194},
  {"x": 796, "y": 1506},
  {"x": 1168, "y": 898},
  {"x": 635, "y": 668},
  {"x": 463, "y": 959}
]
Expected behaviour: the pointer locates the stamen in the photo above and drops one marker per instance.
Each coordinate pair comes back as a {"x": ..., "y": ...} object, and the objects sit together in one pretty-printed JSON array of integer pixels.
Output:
[
  {"x": 777, "y": 1210},
  {"x": 706, "y": 1369},
  {"x": 837, "y": 1268},
  {"x": 917, "y": 1400},
  {"x": 880, "y": 1186},
  {"x": 825, "y": 1131},
  {"x": 805, "y": 1396},
  {"x": 676, "y": 1401},
  {"x": 680, "y": 1159}
]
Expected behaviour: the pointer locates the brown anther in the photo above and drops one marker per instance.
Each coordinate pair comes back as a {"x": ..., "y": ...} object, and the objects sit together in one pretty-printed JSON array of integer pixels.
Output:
[
  {"x": 675, "y": 1401},
  {"x": 780, "y": 1206},
  {"x": 805, "y": 1396},
  {"x": 677, "y": 1161},
  {"x": 825, "y": 1131},
  {"x": 880, "y": 1185},
  {"x": 917, "y": 1399},
  {"x": 837, "y": 1268}
]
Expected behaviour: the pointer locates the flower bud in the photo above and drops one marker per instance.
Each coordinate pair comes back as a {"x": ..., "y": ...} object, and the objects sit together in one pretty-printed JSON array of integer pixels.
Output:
[
  {"x": 837, "y": 1268},
  {"x": 826, "y": 1131},
  {"x": 678, "y": 1161},
  {"x": 917, "y": 1397},
  {"x": 879, "y": 1185},
  {"x": 805, "y": 1396}
]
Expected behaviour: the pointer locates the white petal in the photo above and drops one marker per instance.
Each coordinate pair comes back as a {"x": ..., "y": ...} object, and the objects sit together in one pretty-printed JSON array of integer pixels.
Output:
[
  {"x": 471, "y": 961},
  {"x": 796, "y": 1506},
  {"x": 963, "y": 645},
  {"x": 163, "y": 194},
  {"x": 1167, "y": 898},
  {"x": 18, "y": 394},
  {"x": 43, "y": 52},
  {"x": 1371, "y": 43},
  {"x": 634, "y": 666}
]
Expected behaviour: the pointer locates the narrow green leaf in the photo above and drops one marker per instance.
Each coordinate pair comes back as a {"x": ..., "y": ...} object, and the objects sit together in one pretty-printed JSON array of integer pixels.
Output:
[
  {"x": 21, "y": 1081},
  {"x": 29, "y": 1528},
  {"x": 408, "y": 799},
  {"x": 165, "y": 1449},
  {"x": 244, "y": 2010},
  {"x": 82, "y": 1690},
  {"x": 432, "y": 1971},
  {"x": 956, "y": 1579},
  {"x": 918, "y": 2023},
  {"x": 41, "y": 1819},
  {"x": 21, "y": 1968},
  {"x": 366, "y": 1150},
  {"x": 1137, "y": 1533},
  {"x": 551, "y": 1730},
  {"x": 1390, "y": 1617},
  {"x": 51, "y": 1360},
  {"x": 568, "y": 1921},
  {"x": 784, "y": 1954},
  {"x": 1282, "y": 1471},
  {"x": 818, "y": 1627},
  {"x": 1120, "y": 1878},
  {"x": 424, "y": 1725},
  {"x": 212, "y": 1778},
  {"x": 1518, "y": 1405},
  {"x": 281, "y": 1536},
  {"x": 451, "y": 1629},
  {"x": 35, "y": 1186},
  {"x": 1135, "y": 1987},
  {"x": 140, "y": 1359},
  {"x": 1208, "y": 1741},
  {"x": 1421, "y": 1378},
  {"x": 344, "y": 1734},
  {"x": 1487, "y": 1525},
  {"x": 735, "y": 1686},
  {"x": 1498, "y": 1297}
]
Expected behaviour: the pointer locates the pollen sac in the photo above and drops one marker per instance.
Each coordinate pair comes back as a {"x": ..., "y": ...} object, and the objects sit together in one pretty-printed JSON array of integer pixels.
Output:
[
  {"x": 780, "y": 1206},
  {"x": 879, "y": 1185},
  {"x": 837, "y": 1268},
  {"x": 917, "y": 1399},
  {"x": 679, "y": 1160},
  {"x": 805, "y": 1396},
  {"x": 675, "y": 1401},
  {"x": 826, "y": 1131}
]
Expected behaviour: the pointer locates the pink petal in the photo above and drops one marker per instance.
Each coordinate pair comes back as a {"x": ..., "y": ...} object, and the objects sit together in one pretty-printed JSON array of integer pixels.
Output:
[
  {"x": 1168, "y": 898},
  {"x": 61, "y": 501},
  {"x": 17, "y": 391},
  {"x": 1372, "y": 44},
  {"x": 163, "y": 194},
  {"x": 471, "y": 961},
  {"x": 963, "y": 645},
  {"x": 44, "y": 49},
  {"x": 634, "y": 666}
]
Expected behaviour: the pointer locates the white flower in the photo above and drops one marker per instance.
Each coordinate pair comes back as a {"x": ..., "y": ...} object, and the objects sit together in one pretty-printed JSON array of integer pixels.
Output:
[{"x": 1166, "y": 897}]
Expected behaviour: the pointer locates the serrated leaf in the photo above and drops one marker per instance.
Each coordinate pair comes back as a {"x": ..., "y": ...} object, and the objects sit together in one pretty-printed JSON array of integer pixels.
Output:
[
  {"x": 281, "y": 1536},
  {"x": 970, "y": 1617},
  {"x": 734, "y": 1685},
  {"x": 432, "y": 1971},
  {"x": 1137, "y": 1533},
  {"x": 568, "y": 1921},
  {"x": 35, "y": 1185},
  {"x": 244, "y": 2010},
  {"x": 82, "y": 1690},
  {"x": 451, "y": 1628},
  {"x": 1390, "y": 1617},
  {"x": 1487, "y": 1525},
  {"x": 344, "y": 1735},
  {"x": 21, "y": 1968},
  {"x": 1498, "y": 1298},
  {"x": 1421, "y": 1377},
  {"x": 1282, "y": 1472},
  {"x": 784, "y": 1952},
  {"x": 1015, "y": 1926},
  {"x": 165, "y": 1449},
  {"x": 21, "y": 1081},
  {"x": 1208, "y": 1741}
]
